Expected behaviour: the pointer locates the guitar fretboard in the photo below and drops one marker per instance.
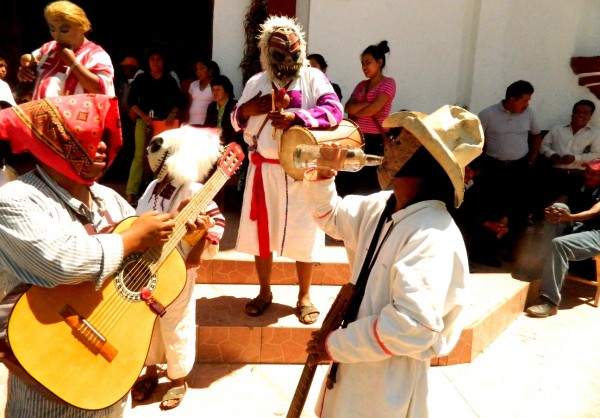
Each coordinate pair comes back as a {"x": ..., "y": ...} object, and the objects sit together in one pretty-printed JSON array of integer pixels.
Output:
[{"x": 156, "y": 256}]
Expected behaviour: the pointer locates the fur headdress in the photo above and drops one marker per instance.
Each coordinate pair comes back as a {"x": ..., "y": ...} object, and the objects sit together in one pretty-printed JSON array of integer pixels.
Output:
[
  {"x": 266, "y": 30},
  {"x": 186, "y": 154}
]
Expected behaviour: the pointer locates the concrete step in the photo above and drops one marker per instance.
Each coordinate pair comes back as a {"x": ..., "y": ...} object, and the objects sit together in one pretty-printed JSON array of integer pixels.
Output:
[
  {"x": 226, "y": 334},
  {"x": 232, "y": 267},
  {"x": 493, "y": 302}
]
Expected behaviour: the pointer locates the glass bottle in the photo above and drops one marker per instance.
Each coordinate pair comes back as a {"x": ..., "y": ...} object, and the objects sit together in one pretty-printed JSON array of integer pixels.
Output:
[{"x": 336, "y": 158}]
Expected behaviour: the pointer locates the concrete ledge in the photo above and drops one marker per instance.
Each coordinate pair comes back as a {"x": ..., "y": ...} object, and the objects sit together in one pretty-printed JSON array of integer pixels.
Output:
[{"x": 494, "y": 301}]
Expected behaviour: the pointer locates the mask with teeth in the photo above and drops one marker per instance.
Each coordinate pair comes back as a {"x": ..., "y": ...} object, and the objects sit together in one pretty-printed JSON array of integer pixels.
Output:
[
  {"x": 157, "y": 156},
  {"x": 283, "y": 50}
]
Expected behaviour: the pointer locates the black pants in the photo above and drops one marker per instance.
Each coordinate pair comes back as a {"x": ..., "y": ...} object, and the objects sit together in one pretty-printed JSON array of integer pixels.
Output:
[{"x": 364, "y": 181}]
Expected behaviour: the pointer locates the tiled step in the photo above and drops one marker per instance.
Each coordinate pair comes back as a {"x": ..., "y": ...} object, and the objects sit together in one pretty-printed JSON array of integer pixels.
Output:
[
  {"x": 226, "y": 334},
  {"x": 232, "y": 267}
]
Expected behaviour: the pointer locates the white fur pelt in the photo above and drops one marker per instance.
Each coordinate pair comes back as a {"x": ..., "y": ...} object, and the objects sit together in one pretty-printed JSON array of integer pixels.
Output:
[{"x": 188, "y": 154}]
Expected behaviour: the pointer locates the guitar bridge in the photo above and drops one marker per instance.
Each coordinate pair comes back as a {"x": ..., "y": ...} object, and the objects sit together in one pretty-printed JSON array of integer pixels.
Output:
[{"x": 88, "y": 334}]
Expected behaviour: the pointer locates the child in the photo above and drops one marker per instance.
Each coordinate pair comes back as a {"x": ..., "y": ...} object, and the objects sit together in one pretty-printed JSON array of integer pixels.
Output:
[{"x": 180, "y": 159}]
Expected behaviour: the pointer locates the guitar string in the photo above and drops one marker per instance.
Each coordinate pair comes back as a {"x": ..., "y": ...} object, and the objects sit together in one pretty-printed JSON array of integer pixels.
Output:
[
  {"x": 113, "y": 295},
  {"x": 139, "y": 272},
  {"x": 139, "y": 269}
]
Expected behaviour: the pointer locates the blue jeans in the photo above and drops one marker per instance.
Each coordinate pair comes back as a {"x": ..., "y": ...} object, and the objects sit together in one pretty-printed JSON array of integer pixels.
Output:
[{"x": 575, "y": 246}]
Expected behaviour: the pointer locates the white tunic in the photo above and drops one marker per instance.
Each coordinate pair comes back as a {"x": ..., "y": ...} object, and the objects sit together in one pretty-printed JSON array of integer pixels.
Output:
[
  {"x": 292, "y": 232},
  {"x": 410, "y": 309},
  {"x": 201, "y": 98},
  {"x": 174, "y": 335}
]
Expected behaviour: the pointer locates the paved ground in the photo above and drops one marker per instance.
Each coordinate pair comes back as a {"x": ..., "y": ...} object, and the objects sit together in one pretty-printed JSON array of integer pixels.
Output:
[{"x": 537, "y": 368}]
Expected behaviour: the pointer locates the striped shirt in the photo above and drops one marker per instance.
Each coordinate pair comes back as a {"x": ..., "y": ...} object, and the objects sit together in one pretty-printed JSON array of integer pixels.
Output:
[
  {"x": 43, "y": 243},
  {"x": 386, "y": 86}
]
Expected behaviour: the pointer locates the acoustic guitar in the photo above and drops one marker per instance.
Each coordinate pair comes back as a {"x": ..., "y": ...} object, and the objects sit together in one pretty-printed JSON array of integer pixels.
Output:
[{"x": 87, "y": 347}]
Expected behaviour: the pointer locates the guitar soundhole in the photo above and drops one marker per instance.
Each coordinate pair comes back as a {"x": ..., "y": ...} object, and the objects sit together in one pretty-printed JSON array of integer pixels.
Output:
[{"x": 133, "y": 277}]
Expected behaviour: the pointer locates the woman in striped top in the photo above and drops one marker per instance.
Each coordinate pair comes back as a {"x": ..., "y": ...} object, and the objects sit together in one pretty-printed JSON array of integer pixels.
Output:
[{"x": 369, "y": 104}]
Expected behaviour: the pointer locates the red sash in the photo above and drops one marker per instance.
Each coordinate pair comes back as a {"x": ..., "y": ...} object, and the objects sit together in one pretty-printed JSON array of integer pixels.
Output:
[{"x": 258, "y": 204}]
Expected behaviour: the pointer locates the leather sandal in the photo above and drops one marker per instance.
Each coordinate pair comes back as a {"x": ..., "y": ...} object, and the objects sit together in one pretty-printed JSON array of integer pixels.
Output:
[
  {"x": 303, "y": 313},
  {"x": 143, "y": 388},
  {"x": 257, "y": 306},
  {"x": 173, "y": 394}
]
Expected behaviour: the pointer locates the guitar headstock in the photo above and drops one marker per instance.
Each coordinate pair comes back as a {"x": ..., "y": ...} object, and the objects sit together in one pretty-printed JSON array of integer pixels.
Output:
[{"x": 232, "y": 158}]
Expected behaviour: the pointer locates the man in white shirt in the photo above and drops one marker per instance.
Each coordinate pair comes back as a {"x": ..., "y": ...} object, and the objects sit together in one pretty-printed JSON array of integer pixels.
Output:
[{"x": 569, "y": 147}]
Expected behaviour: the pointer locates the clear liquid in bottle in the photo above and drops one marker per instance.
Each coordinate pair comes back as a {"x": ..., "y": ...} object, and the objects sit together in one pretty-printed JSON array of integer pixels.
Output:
[{"x": 340, "y": 159}]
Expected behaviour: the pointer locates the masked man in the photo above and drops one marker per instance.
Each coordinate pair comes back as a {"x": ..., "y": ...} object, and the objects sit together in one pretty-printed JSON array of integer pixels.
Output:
[
  {"x": 274, "y": 218},
  {"x": 406, "y": 250}
]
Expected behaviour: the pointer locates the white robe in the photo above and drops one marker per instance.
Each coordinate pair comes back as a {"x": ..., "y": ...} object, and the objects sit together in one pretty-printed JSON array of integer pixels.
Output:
[
  {"x": 292, "y": 232},
  {"x": 410, "y": 311},
  {"x": 174, "y": 334}
]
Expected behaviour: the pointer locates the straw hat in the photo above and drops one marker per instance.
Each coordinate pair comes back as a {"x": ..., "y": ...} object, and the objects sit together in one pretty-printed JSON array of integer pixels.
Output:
[{"x": 452, "y": 135}]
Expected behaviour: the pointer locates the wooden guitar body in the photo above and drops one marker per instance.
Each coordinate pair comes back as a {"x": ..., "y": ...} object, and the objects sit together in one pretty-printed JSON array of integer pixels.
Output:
[{"x": 72, "y": 363}]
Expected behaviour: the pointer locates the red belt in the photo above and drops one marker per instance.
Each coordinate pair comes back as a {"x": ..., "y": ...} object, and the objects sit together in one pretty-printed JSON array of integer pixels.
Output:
[{"x": 258, "y": 204}]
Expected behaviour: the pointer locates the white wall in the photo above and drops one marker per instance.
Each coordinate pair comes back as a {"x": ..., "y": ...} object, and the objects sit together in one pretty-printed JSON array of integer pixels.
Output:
[
  {"x": 534, "y": 40},
  {"x": 463, "y": 52},
  {"x": 229, "y": 39}
]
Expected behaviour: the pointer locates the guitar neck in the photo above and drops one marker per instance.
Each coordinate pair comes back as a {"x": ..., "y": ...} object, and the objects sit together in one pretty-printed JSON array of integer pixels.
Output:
[{"x": 157, "y": 255}]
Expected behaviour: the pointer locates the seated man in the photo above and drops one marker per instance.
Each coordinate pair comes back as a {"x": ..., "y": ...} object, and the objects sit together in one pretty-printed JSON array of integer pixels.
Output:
[
  {"x": 568, "y": 148},
  {"x": 481, "y": 218},
  {"x": 581, "y": 223}
]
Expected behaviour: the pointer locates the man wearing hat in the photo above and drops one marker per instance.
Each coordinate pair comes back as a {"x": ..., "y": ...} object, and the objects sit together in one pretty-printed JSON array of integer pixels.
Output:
[
  {"x": 54, "y": 218},
  {"x": 416, "y": 274},
  {"x": 576, "y": 227}
]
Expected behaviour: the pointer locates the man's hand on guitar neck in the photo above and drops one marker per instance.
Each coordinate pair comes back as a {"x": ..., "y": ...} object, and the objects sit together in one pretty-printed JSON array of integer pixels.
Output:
[
  {"x": 148, "y": 230},
  {"x": 316, "y": 350}
]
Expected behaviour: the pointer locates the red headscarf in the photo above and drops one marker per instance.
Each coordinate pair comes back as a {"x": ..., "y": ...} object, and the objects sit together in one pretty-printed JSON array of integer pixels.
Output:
[{"x": 64, "y": 132}]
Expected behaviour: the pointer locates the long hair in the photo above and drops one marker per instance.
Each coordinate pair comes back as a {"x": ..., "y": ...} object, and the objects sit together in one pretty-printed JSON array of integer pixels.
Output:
[
  {"x": 192, "y": 153},
  {"x": 377, "y": 51}
]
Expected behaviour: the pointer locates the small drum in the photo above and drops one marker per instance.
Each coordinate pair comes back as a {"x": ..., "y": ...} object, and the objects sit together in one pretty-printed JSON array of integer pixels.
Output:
[{"x": 346, "y": 134}]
